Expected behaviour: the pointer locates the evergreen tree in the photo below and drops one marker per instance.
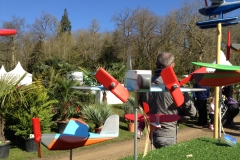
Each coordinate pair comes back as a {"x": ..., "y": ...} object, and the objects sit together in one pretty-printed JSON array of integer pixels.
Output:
[
  {"x": 65, "y": 24},
  {"x": 108, "y": 55},
  {"x": 36, "y": 56}
]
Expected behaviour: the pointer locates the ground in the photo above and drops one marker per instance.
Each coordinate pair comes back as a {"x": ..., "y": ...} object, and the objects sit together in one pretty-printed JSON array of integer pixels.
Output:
[{"x": 117, "y": 150}]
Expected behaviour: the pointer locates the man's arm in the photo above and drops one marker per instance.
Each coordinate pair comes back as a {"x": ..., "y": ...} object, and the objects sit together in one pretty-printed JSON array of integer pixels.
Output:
[{"x": 188, "y": 107}]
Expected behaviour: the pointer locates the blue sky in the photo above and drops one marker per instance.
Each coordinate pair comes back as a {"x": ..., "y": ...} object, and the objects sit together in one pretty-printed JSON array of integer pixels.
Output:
[{"x": 81, "y": 12}]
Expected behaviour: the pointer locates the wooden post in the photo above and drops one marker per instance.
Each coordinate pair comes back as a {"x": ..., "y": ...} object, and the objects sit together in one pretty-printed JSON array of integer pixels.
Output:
[{"x": 217, "y": 89}]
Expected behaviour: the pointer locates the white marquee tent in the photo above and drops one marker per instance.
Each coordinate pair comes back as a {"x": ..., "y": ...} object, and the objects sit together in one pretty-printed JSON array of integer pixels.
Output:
[
  {"x": 2, "y": 71},
  {"x": 18, "y": 71}
]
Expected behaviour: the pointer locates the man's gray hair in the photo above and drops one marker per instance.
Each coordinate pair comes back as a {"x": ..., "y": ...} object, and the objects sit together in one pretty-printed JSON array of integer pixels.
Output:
[{"x": 164, "y": 60}]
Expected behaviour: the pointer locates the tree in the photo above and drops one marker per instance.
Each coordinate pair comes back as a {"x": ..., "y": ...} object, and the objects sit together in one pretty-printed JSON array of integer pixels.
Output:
[
  {"x": 36, "y": 56},
  {"x": 108, "y": 55},
  {"x": 65, "y": 24},
  {"x": 45, "y": 26},
  {"x": 11, "y": 45},
  {"x": 93, "y": 29}
]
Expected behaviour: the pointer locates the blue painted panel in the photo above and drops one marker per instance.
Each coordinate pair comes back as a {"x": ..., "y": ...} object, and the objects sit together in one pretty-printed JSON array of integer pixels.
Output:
[
  {"x": 215, "y": 21},
  {"x": 215, "y": 25},
  {"x": 76, "y": 128}
]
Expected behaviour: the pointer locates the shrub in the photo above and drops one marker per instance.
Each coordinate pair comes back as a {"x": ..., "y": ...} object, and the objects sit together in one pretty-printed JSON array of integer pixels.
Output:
[{"x": 97, "y": 113}]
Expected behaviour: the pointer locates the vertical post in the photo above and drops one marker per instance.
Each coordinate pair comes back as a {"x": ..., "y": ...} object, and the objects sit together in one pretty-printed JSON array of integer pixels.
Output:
[
  {"x": 70, "y": 154},
  {"x": 135, "y": 124},
  {"x": 217, "y": 89}
]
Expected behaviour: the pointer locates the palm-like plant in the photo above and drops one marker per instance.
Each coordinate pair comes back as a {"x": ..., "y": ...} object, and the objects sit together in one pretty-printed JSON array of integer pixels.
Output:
[
  {"x": 97, "y": 113},
  {"x": 10, "y": 94},
  {"x": 128, "y": 107},
  {"x": 68, "y": 98}
]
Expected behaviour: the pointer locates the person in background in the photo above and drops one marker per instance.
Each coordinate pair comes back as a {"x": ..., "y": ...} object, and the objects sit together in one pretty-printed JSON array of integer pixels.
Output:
[
  {"x": 201, "y": 99},
  {"x": 162, "y": 103},
  {"x": 211, "y": 113},
  {"x": 232, "y": 104}
]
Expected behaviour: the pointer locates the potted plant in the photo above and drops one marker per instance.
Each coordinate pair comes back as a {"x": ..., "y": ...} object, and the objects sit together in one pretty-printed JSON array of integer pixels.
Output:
[
  {"x": 35, "y": 102},
  {"x": 97, "y": 114},
  {"x": 9, "y": 94},
  {"x": 68, "y": 105},
  {"x": 128, "y": 108}
]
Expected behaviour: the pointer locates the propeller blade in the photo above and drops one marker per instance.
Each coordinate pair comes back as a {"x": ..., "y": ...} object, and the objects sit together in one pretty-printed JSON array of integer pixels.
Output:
[
  {"x": 171, "y": 82},
  {"x": 7, "y": 32},
  {"x": 228, "y": 46},
  {"x": 110, "y": 83},
  {"x": 37, "y": 134},
  {"x": 206, "y": 4},
  {"x": 190, "y": 76}
]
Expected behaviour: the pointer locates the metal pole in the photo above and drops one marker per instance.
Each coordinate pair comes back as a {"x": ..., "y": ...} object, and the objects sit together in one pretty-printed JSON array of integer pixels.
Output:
[
  {"x": 70, "y": 154},
  {"x": 135, "y": 125},
  {"x": 217, "y": 91},
  {"x": 220, "y": 118}
]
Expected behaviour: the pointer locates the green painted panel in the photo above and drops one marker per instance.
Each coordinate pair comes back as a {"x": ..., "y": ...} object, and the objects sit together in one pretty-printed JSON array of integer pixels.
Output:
[{"x": 218, "y": 66}]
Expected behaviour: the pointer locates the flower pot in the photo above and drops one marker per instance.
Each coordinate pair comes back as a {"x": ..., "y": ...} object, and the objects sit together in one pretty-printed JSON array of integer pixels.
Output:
[
  {"x": 61, "y": 126},
  {"x": 30, "y": 145},
  {"x": 4, "y": 150},
  {"x": 131, "y": 127},
  {"x": 98, "y": 130}
]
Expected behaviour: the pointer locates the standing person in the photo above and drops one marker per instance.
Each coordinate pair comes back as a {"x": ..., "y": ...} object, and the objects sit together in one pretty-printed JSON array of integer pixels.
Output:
[
  {"x": 201, "y": 99},
  {"x": 211, "y": 113},
  {"x": 232, "y": 104},
  {"x": 162, "y": 103}
]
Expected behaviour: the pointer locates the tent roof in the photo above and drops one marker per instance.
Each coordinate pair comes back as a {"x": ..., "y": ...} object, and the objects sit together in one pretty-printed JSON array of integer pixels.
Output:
[
  {"x": 2, "y": 70},
  {"x": 19, "y": 71}
]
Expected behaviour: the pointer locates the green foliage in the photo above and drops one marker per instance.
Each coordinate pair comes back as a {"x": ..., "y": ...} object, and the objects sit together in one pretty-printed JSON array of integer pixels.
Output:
[
  {"x": 35, "y": 103},
  {"x": 65, "y": 24},
  {"x": 36, "y": 56},
  {"x": 129, "y": 106},
  {"x": 68, "y": 98},
  {"x": 201, "y": 148},
  {"x": 97, "y": 113},
  {"x": 117, "y": 70},
  {"x": 54, "y": 74},
  {"x": 108, "y": 55},
  {"x": 88, "y": 77},
  {"x": 10, "y": 93}
]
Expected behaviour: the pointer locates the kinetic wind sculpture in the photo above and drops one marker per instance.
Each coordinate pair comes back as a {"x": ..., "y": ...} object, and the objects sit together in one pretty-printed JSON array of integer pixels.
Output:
[
  {"x": 140, "y": 81},
  {"x": 220, "y": 7},
  {"x": 75, "y": 135}
]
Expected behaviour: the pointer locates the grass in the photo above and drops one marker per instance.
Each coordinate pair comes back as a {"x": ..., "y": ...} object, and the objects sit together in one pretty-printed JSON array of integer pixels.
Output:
[{"x": 200, "y": 148}]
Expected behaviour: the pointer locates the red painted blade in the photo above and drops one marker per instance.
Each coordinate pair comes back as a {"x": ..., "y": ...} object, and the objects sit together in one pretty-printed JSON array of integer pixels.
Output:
[
  {"x": 37, "y": 134},
  {"x": 206, "y": 3},
  {"x": 112, "y": 85},
  {"x": 190, "y": 77},
  {"x": 152, "y": 117},
  {"x": 172, "y": 84},
  {"x": 185, "y": 80},
  {"x": 146, "y": 107},
  {"x": 7, "y": 32},
  {"x": 228, "y": 46}
]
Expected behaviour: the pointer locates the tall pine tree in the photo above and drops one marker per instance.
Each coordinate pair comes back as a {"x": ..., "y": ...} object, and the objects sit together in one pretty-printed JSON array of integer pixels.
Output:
[{"x": 65, "y": 24}]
